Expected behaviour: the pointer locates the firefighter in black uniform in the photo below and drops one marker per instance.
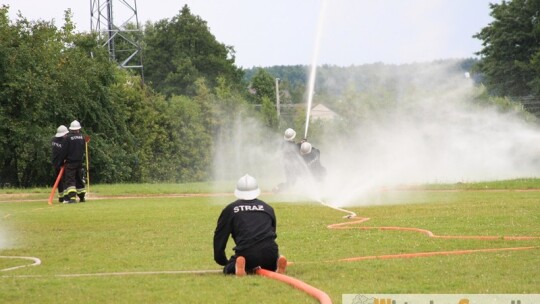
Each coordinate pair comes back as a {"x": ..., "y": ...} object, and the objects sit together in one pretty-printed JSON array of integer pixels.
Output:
[
  {"x": 312, "y": 157},
  {"x": 73, "y": 156},
  {"x": 252, "y": 225},
  {"x": 58, "y": 143},
  {"x": 291, "y": 161}
]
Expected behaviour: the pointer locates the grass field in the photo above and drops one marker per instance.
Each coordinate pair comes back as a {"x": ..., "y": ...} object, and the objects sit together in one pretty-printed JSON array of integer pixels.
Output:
[{"x": 119, "y": 249}]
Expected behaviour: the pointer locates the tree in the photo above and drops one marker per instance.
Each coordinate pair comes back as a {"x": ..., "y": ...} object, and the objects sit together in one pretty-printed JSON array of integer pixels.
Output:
[
  {"x": 263, "y": 85},
  {"x": 185, "y": 155},
  {"x": 269, "y": 113},
  {"x": 30, "y": 57},
  {"x": 511, "y": 48},
  {"x": 264, "y": 94},
  {"x": 182, "y": 50},
  {"x": 51, "y": 76}
]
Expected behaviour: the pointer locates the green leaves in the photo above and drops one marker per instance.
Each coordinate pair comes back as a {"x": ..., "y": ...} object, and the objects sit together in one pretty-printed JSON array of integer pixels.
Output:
[
  {"x": 51, "y": 76},
  {"x": 182, "y": 50},
  {"x": 511, "y": 44}
]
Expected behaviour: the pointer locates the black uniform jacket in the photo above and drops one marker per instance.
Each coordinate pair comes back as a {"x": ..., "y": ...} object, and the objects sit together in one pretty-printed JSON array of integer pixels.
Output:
[
  {"x": 291, "y": 150},
  {"x": 74, "y": 151},
  {"x": 313, "y": 162},
  {"x": 248, "y": 221},
  {"x": 58, "y": 144},
  {"x": 313, "y": 159}
]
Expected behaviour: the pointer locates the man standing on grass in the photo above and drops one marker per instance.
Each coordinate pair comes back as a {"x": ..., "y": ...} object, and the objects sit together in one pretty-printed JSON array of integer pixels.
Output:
[
  {"x": 252, "y": 224},
  {"x": 73, "y": 156},
  {"x": 58, "y": 143}
]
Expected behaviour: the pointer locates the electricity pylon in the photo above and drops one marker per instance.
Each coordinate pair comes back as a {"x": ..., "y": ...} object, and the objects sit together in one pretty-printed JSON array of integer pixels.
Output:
[{"x": 119, "y": 30}]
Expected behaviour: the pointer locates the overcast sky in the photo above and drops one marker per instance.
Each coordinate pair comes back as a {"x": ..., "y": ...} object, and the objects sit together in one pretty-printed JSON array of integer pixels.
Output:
[{"x": 283, "y": 32}]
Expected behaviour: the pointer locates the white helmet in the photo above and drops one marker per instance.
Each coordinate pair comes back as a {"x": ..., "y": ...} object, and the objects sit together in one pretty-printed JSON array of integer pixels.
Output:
[
  {"x": 75, "y": 125},
  {"x": 305, "y": 148},
  {"x": 61, "y": 131},
  {"x": 247, "y": 188},
  {"x": 289, "y": 134}
]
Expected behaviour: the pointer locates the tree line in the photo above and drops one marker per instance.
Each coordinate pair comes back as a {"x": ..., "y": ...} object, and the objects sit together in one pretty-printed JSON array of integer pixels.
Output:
[{"x": 165, "y": 128}]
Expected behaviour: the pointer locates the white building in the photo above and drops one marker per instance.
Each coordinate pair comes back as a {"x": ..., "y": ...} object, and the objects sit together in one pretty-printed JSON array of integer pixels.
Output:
[{"x": 321, "y": 112}]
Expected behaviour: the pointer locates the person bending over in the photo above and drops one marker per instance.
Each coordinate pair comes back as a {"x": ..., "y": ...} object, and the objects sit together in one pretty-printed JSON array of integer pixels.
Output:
[{"x": 312, "y": 157}]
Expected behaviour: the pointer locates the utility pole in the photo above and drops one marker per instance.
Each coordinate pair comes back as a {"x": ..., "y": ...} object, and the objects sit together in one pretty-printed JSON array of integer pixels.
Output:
[
  {"x": 121, "y": 39},
  {"x": 277, "y": 97}
]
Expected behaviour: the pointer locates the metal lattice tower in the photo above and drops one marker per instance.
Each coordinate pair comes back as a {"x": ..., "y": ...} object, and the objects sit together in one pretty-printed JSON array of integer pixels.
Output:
[{"x": 121, "y": 39}]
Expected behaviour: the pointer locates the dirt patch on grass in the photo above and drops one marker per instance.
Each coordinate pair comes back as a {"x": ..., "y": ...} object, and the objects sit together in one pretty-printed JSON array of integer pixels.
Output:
[{"x": 25, "y": 197}]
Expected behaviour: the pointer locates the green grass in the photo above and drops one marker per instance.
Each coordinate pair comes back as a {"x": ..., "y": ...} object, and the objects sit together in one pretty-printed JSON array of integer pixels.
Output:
[
  {"x": 123, "y": 189},
  {"x": 515, "y": 184},
  {"x": 174, "y": 234},
  {"x": 266, "y": 185}
]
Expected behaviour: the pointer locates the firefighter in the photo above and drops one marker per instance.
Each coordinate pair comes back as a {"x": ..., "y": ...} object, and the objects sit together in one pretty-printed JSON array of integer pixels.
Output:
[
  {"x": 252, "y": 225},
  {"x": 73, "y": 157},
  {"x": 312, "y": 158},
  {"x": 58, "y": 143},
  {"x": 291, "y": 161}
]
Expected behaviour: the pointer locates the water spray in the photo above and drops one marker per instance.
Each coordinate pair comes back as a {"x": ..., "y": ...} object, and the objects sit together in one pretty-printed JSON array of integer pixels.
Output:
[{"x": 314, "y": 59}]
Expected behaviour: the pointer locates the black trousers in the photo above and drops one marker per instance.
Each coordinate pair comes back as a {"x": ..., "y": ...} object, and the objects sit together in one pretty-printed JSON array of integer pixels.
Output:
[
  {"x": 262, "y": 255},
  {"x": 73, "y": 180}
]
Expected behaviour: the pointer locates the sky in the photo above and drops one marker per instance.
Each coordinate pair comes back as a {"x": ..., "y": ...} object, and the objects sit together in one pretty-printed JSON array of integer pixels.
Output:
[{"x": 284, "y": 32}]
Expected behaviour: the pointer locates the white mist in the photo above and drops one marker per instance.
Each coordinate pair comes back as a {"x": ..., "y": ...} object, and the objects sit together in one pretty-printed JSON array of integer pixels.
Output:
[{"x": 436, "y": 136}]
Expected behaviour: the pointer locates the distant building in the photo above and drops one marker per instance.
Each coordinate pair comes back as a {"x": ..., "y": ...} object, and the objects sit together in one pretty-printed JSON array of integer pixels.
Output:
[{"x": 321, "y": 112}]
